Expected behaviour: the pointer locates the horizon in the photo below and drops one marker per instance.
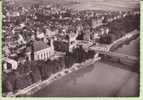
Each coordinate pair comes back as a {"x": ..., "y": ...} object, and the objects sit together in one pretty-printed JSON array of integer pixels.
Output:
[{"x": 112, "y": 5}]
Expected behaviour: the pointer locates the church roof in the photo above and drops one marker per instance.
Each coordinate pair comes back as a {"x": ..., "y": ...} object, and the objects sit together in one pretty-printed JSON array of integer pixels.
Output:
[{"x": 38, "y": 45}]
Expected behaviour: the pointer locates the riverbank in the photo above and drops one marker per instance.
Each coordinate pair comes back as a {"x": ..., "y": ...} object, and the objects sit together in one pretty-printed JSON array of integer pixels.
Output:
[
  {"x": 97, "y": 80},
  {"x": 42, "y": 84}
]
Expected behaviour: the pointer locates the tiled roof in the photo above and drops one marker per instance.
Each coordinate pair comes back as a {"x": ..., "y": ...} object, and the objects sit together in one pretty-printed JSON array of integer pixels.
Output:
[{"x": 38, "y": 45}]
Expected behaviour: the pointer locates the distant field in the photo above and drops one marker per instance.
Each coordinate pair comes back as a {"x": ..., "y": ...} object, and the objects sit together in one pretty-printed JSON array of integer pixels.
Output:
[{"x": 113, "y": 5}]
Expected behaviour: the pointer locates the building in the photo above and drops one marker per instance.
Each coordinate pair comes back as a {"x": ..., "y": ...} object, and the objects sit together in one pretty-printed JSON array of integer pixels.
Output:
[
  {"x": 50, "y": 33},
  {"x": 97, "y": 22},
  {"x": 42, "y": 51},
  {"x": 9, "y": 64}
]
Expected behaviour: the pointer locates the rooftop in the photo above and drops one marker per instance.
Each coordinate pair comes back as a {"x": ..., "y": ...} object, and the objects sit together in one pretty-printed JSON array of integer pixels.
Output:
[{"x": 38, "y": 45}]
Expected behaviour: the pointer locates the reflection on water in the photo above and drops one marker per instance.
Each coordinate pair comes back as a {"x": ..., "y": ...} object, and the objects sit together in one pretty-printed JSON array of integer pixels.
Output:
[
  {"x": 99, "y": 79},
  {"x": 131, "y": 49},
  {"x": 96, "y": 80},
  {"x": 70, "y": 79}
]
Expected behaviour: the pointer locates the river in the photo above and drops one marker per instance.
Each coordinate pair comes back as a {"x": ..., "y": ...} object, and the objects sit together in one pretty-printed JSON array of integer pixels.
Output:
[
  {"x": 97, "y": 80},
  {"x": 131, "y": 49}
]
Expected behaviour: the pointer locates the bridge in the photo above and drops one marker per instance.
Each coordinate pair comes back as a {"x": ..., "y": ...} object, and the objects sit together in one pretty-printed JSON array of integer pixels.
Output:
[
  {"x": 128, "y": 58},
  {"x": 109, "y": 49}
]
